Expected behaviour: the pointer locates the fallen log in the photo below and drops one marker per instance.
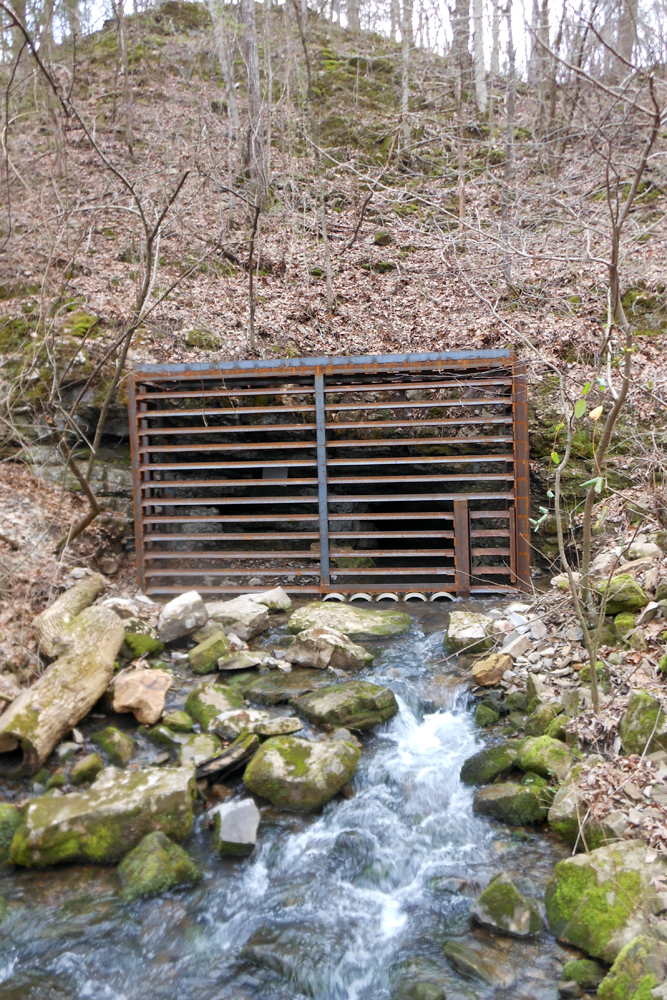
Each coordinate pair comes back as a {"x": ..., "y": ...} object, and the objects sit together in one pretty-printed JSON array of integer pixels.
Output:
[
  {"x": 41, "y": 715},
  {"x": 55, "y": 618}
]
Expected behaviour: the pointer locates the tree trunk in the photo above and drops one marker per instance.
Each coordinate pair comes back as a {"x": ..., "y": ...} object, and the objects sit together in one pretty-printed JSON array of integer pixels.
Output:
[
  {"x": 54, "y": 619},
  {"x": 509, "y": 151},
  {"x": 461, "y": 62},
  {"x": 224, "y": 58},
  {"x": 395, "y": 15},
  {"x": 478, "y": 44},
  {"x": 256, "y": 152},
  {"x": 352, "y": 8},
  {"x": 406, "y": 39},
  {"x": 67, "y": 690},
  {"x": 627, "y": 35},
  {"x": 542, "y": 61}
]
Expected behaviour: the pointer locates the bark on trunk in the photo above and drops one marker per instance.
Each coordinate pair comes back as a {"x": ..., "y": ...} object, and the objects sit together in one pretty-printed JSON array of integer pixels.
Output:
[
  {"x": 53, "y": 620},
  {"x": 256, "y": 151},
  {"x": 67, "y": 690},
  {"x": 478, "y": 47}
]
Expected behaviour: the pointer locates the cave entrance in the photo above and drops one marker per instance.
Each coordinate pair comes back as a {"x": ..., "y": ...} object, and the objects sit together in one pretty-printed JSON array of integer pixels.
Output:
[{"x": 363, "y": 475}]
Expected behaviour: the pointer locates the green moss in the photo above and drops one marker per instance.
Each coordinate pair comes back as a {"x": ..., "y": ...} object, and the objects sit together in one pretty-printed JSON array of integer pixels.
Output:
[
  {"x": 584, "y": 972},
  {"x": 203, "y": 339},
  {"x": 141, "y": 645},
  {"x": 178, "y": 722},
  {"x": 78, "y": 324},
  {"x": 631, "y": 976},
  {"x": 624, "y": 622},
  {"x": 485, "y": 716},
  {"x": 208, "y": 700},
  {"x": 499, "y": 904},
  {"x": 118, "y": 746},
  {"x": 10, "y": 820},
  {"x": 511, "y": 803},
  {"x": 623, "y": 594},
  {"x": 643, "y": 725},
  {"x": 86, "y": 769},
  {"x": 57, "y": 780},
  {"x": 155, "y": 865},
  {"x": 516, "y": 702},
  {"x": 490, "y": 763},
  {"x": 204, "y": 658},
  {"x": 298, "y": 774},
  {"x": 539, "y": 720},
  {"x": 548, "y": 757}
]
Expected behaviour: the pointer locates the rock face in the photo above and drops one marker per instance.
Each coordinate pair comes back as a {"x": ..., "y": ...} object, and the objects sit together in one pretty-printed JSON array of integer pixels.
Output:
[
  {"x": 546, "y": 757},
  {"x": 11, "y": 819},
  {"x": 510, "y": 803},
  {"x": 236, "y": 825},
  {"x": 230, "y": 725},
  {"x": 623, "y": 594},
  {"x": 643, "y": 726},
  {"x": 488, "y": 671},
  {"x": 639, "y": 967},
  {"x": 276, "y": 687},
  {"x": 479, "y": 962},
  {"x": 181, "y": 616},
  {"x": 275, "y": 600},
  {"x": 301, "y": 775},
  {"x": 203, "y": 659},
  {"x": 118, "y": 746},
  {"x": 326, "y": 647},
  {"x": 491, "y": 763},
  {"x": 155, "y": 865},
  {"x": 351, "y": 621},
  {"x": 600, "y": 902},
  {"x": 470, "y": 631},
  {"x": 243, "y": 616},
  {"x": 354, "y": 705},
  {"x": 102, "y": 824},
  {"x": 142, "y": 692},
  {"x": 501, "y": 907},
  {"x": 208, "y": 700}
]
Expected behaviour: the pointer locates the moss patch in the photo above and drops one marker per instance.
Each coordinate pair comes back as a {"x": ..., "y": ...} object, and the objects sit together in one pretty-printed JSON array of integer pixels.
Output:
[
  {"x": 11, "y": 819},
  {"x": 118, "y": 746},
  {"x": 155, "y": 865}
]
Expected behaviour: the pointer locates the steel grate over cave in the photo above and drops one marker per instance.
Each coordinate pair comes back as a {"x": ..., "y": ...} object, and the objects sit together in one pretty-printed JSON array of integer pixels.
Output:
[{"x": 367, "y": 474}]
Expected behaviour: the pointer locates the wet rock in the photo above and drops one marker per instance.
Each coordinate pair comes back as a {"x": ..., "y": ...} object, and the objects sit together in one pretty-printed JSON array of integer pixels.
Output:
[
  {"x": 539, "y": 721},
  {"x": 354, "y": 705},
  {"x": 301, "y": 775},
  {"x": 488, "y": 671},
  {"x": 585, "y": 972},
  {"x": 326, "y": 647},
  {"x": 154, "y": 866},
  {"x": 486, "y": 716},
  {"x": 242, "y": 660},
  {"x": 547, "y": 757},
  {"x": 141, "y": 639},
  {"x": 229, "y": 725},
  {"x": 507, "y": 802},
  {"x": 102, "y": 824},
  {"x": 470, "y": 631},
  {"x": 351, "y": 621},
  {"x": 164, "y": 736},
  {"x": 11, "y": 818},
  {"x": 118, "y": 746},
  {"x": 638, "y": 968},
  {"x": 491, "y": 763},
  {"x": 277, "y": 687},
  {"x": 516, "y": 701},
  {"x": 623, "y": 594},
  {"x": 236, "y": 825},
  {"x": 599, "y": 902},
  {"x": 86, "y": 769},
  {"x": 143, "y": 693},
  {"x": 178, "y": 721},
  {"x": 275, "y": 600},
  {"x": 208, "y": 700},
  {"x": 231, "y": 758},
  {"x": 243, "y": 616},
  {"x": 502, "y": 908},
  {"x": 203, "y": 659},
  {"x": 479, "y": 962},
  {"x": 569, "y": 990},
  {"x": 198, "y": 748},
  {"x": 643, "y": 726},
  {"x": 182, "y": 616}
]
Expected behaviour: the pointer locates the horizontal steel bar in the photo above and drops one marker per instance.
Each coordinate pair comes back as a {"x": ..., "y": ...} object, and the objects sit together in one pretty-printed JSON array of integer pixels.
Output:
[
  {"x": 479, "y": 571},
  {"x": 178, "y": 536},
  {"x": 230, "y": 393},
  {"x": 189, "y": 483},
  {"x": 404, "y": 570},
  {"x": 411, "y": 405},
  {"x": 489, "y": 513},
  {"x": 213, "y": 501},
  {"x": 361, "y": 498},
  {"x": 397, "y": 588},
  {"x": 418, "y": 460},
  {"x": 252, "y": 463},
  {"x": 222, "y": 554},
  {"x": 171, "y": 449},
  {"x": 391, "y": 534},
  {"x": 395, "y": 442},
  {"x": 224, "y": 428},
  {"x": 402, "y": 516},
  {"x": 224, "y": 518},
  {"x": 405, "y": 497},
  {"x": 490, "y": 533},
  {"x": 506, "y": 476},
  {"x": 491, "y": 552},
  {"x": 230, "y": 572},
  {"x": 444, "y": 422},
  {"x": 451, "y": 383},
  {"x": 227, "y": 411},
  {"x": 383, "y": 553},
  {"x": 231, "y": 589}
]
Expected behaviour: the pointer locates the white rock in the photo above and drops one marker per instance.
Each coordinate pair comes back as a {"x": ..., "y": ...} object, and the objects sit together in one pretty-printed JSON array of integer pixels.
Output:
[
  {"x": 604, "y": 564},
  {"x": 648, "y": 614},
  {"x": 181, "y": 616},
  {"x": 121, "y": 606},
  {"x": 517, "y": 607},
  {"x": 517, "y": 646},
  {"x": 275, "y": 600},
  {"x": 142, "y": 692},
  {"x": 236, "y": 825},
  {"x": 243, "y": 616},
  {"x": 326, "y": 647},
  {"x": 538, "y": 630},
  {"x": 643, "y": 550}
]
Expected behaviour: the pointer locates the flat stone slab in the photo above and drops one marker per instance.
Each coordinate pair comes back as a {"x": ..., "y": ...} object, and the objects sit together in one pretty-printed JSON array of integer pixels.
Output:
[
  {"x": 351, "y": 621},
  {"x": 230, "y": 725},
  {"x": 277, "y": 687},
  {"x": 355, "y": 705}
]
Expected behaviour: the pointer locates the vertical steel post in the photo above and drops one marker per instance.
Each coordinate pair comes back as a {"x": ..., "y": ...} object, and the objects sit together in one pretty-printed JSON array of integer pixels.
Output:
[
  {"x": 136, "y": 485},
  {"x": 320, "y": 417},
  {"x": 521, "y": 476},
  {"x": 462, "y": 547}
]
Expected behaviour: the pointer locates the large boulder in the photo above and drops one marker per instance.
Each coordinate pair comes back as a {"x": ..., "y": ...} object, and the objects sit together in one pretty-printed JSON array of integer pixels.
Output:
[
  {"x": 242, "y": 616},
  {"x": 301, "y": 775},
  {"x": 230, "y": 725},
  {"x": 142, "y": 692},
  {"x": 491, "y": 763},
  {"x": 599, "y": 902},
  {"x": 623, "y": 594},
  {"x": 502, "y": 908},
  {"x": 643, "y": 726},
  {"x": 208, "y": 700},
  {"x": 354, "y": 705},
  {"x": 569, "y": 816},
  {"x": 509, "y": 803},
  {"x": 181, "y": 616},
  {"x": 326, "y": 647},
  {"x": 277, "y": 687},
  {"x": 154, "y": 866},
  {"x": 236, "y": 825},
  {"x": 540, "y": 719},
  {"x": 469, "y": 631},
  {"x": 203, "y": 659},
  {"x": 351, "y": 621},
  {"x": 638, "y": 969},
  {"x": 547, "y": 757},
  {"x": 102, "y": 824},
  {"x": 488, "y": 670}
]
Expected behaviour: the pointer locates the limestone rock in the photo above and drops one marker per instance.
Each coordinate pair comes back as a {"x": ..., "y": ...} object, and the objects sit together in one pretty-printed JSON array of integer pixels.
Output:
[
  {"x": 643, "y": 550},
  {"x": 510, "y": 803},
  {"x": 206, "y": 702},
  {"x": 142, "y": 692},
  {"x": 585, "y": 972},
  {"x": 181, "y": 616},
  {"x": 491, "y": 763},
  {"x": 203, "y": 659},
  {"x": 485, "y": 715},
  {"x": 516, "y": 645},
  {"x": 546, "y": 757},
  {"x": 276, "y": 687},
  {"x": 502, "y": 908},
  {"x": 623, "y": 594},
  {"x": 569, "y": 810},
  {"x": 243, "y": 616},
  {"x": 141, "y": 638},
  {"x": 179, "y": 721},
  {"x": 230, "y": 725},
  {"x": 242, "y": 660},
  {"x": 488, "y": 671},
  {"x": 470, "y": 631},
  {"x": 603, "y": 564},
  {"x": 50, "y": 624},
  {"x": 102, "y": 824},
  {"x": 11, "y": 819},
  {"x": 301, "y": 775},
  {"x": 638, "y": 968},
  {"x": 539, "y": 721},
  {"x": 643, "y": 725},
  {"x": 154, "y": 866},
  {"x": 121, "y": 606},
  {"x": 236, "y": 825},
  {"x": 86, "y": 769},
  {"x": 118, "y": 746},
  {"x": 354, "y": 705},
  {"x": 326, "y": 647},
  {"x": 164, "y": 736},
  {"x": 351, "y": 621},
  {"x": 599, "y": 902},
  {"x": 275, "y": 600},
  {"x": 479, "y": 962},
  {"x": 198, "y": 748}
]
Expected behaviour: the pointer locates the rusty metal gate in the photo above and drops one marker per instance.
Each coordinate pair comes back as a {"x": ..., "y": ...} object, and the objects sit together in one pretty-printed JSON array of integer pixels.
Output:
[{"x": 395, "y": 474}]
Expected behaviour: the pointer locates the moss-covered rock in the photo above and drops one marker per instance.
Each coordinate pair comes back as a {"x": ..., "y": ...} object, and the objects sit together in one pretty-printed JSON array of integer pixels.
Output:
[
  {"x": 198, "y": 748},
  {"x": 491, "y": 763},
  {"x": 102, "y": 824},
  {"x": 550, "y": 758},
  {"x": 167, "y": 737},
  {"x": 539, "y": 721},
  {"x": 204, "y": 658},
  {"x": 351, "y": 621},
  {"x": 354, "y": 705},
  {"x": 510, "y": 803},
  {"x": 178, "y": 721},
  {"x": 643, "y": 726},
  {"x": 556, "y": 729},
  {"x": 276, "y": 687},
  {"x": 86, "y": 769},
  {"x": 56, "y": 780},
  {"x": 208, "y": 700},
  {"x": 11, "y": 819},
  {"x": 517, "y": 701},
  {"x": 486, "y": 716},
  {"x": 301, "y": 775},
  {"x": 154, "y": 866},
  {"x": 569, "y": 817},
  {"x": 141, "y": 639},
  {"x": 478, "y": 961},
  {"x": 230, "y": 725},
  {"x": 638, "y": 968},
  {"x": 599, "y": 902},
  {"x": 624, "y": 623},
  {"x": 585, "y": 972},
  {"x": 468, "y": 630},
  {"x": 502, "y": 908},
  {"x": 623, "y": 594},
  {"x": 118, "y": 746}
]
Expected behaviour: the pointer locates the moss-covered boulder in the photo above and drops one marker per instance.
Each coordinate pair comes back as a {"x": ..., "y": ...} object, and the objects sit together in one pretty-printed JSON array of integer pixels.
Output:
[
  {"x": 486, "y": 716},
  {"x": 643, "y": 726},
  {"x": 637, "y": 970},
  {"x": 470, "y": 631},
  {"x": 203, "y": 659},
  {"x": 118, "y": 746},
  {"x": 360, "y": 622},
  {"x": 301, "y": 775},
  {"x": 585, "y": 972},
  {"x": 624, "y": 623},
  {"x": 276, "y": 687},
  {"x": 507, "y": 802},
  {"x": 102, "y": 824},
  {"x": 178, "y": 721},
  {"x": 166, "y": 737},
  {"x": 569, "y": 816},
  {"x": 502, "y": 908},
  {"x": 198, "y": 748},
  {"x": 11, "y": 819},
  {"x": 539, "y": 721},
  {"x": 355, "y": 705},
  {"x": 141, "y": 639},
  {"x": 230, "y": 725},
  {"x": 154, "y": 866},
  {"x": 86, "y": 769},
  {"x": 623, "y": 594},
  {"x": 491, "y": 763},
  {"x": 208, "y": 700},
  {"x": 599, "y": 902},
  {"x": 547, "y": 757}
]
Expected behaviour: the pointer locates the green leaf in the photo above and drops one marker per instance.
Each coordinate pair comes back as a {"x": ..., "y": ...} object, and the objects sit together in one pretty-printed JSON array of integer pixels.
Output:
[
  {"x": 586, "y": 389},
  {"x": 554, "y": 458},
  {"x": 550, "y": 494},
  {"x": 579, "y": 408},
  {"x": 598, "y": 485}
]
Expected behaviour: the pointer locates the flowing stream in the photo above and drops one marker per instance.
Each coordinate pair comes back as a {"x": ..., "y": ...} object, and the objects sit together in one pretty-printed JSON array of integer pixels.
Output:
[{"x": 350, "y": 904}]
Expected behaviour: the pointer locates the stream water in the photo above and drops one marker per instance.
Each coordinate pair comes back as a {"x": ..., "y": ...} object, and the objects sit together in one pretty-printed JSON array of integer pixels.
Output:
[{"x": 350, "y": 904}]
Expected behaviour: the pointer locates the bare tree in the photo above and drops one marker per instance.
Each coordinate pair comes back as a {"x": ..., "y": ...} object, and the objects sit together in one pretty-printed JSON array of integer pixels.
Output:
[{"x": 478, "y": 48}]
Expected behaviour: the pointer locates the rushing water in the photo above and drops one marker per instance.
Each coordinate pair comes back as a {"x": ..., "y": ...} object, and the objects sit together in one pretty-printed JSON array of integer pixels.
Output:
[{"x": 351, "y": 904}]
